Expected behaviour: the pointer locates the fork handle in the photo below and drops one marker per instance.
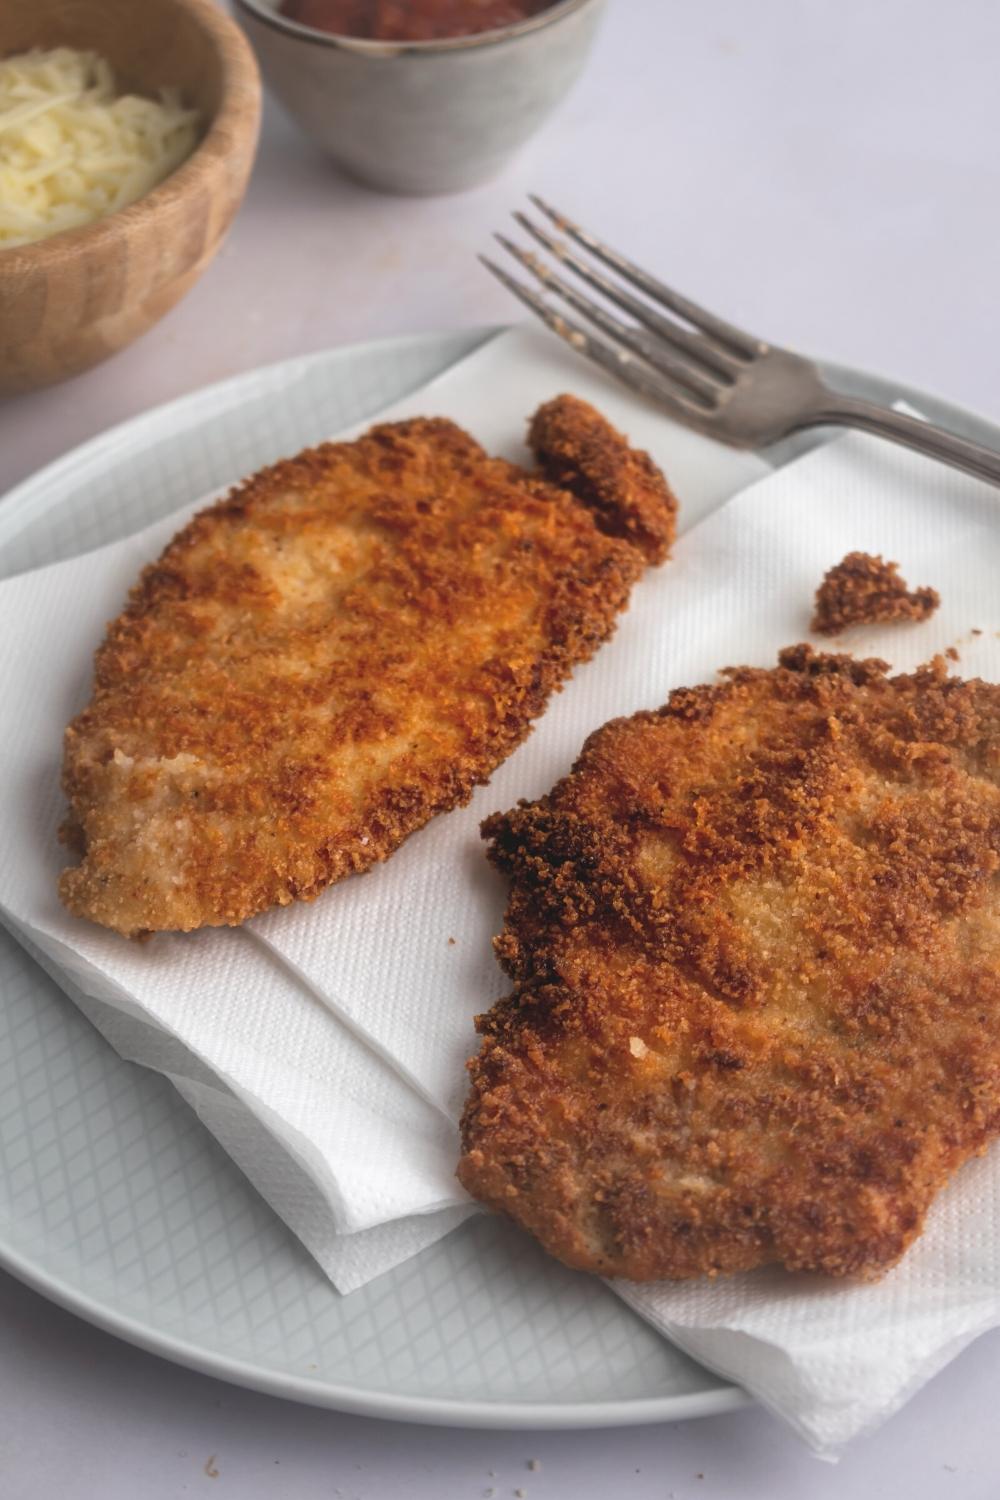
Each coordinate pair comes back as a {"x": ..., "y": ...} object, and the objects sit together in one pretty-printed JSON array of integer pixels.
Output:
[{"x": 850, "y": 411}]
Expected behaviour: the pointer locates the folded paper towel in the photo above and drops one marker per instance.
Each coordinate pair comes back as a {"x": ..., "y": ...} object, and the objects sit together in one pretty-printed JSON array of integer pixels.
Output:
[
  {"x": 218, "y": 1007},
  {"x": 833, "y": 1359},
  {"x": 310, "y": 1024}
]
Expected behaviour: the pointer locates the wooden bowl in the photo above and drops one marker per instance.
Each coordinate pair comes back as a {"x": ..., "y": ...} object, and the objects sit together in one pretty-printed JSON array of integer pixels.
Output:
[{"x": 72, "y": 300}]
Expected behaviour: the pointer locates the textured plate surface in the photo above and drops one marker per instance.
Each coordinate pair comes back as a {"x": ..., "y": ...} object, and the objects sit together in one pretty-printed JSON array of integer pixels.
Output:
[{"x": 116, "y": 1202}]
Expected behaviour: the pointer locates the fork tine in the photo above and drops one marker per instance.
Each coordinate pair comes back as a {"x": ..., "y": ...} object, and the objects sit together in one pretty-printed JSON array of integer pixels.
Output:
[
  {"x": 732, "y": 339},
  {"x": 616, "y": 330},
  {"x": 620, "y": 363},
  {"x": 695, "y": 346}
]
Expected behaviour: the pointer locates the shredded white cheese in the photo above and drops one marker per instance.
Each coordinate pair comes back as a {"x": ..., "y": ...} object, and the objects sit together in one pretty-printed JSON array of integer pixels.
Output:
[{"x": 71, "y": 150}]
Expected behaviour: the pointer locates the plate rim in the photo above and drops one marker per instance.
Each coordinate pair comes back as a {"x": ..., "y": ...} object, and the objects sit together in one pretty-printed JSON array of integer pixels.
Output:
[
  {"x": 970, "y": 422},
  {"x": 70, "y": 462},
  {"x": 432, "y": 1411},
  {"x": 18, "y": 510}
]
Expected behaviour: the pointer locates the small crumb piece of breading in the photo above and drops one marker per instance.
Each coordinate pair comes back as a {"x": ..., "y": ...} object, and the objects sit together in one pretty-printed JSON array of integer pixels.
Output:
[
  {"x": 346, "y": 645},
  {"x": 866, "y": 590},
  {"x": 754, "y": 939},
  {"x": 624, "y": 488}
]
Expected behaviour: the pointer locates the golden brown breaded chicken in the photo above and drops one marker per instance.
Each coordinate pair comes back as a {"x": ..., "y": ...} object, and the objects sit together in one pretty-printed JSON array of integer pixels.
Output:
[
  {"x": 755, "y": 944},
  {"x": 346, "y": 645}
]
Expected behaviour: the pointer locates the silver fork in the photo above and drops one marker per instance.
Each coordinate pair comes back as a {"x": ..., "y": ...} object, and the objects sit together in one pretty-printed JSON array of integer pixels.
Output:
[{"x": 698, "y": 368}]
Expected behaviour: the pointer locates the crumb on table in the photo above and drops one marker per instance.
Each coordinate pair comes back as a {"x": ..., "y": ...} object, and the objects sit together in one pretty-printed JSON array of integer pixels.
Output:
[{"x": 866, "y": 590}]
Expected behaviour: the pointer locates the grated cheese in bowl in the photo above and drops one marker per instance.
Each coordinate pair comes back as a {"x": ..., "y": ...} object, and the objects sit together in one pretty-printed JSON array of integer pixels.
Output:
[{"x": 72, "y": 150}]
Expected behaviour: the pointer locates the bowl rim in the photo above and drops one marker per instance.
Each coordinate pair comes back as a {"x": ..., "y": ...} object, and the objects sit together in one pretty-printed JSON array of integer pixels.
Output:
[
  {"x": 364, "y": 47},
  {"x": 240, "y": 86}
]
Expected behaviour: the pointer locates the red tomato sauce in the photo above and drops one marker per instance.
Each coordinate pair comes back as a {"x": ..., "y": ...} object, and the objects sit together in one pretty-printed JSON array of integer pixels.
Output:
[{"x": 410, "y": 20}]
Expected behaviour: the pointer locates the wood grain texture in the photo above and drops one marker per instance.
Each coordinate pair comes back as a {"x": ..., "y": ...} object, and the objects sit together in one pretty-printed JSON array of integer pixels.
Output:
[{"x": 68, "y": 302}]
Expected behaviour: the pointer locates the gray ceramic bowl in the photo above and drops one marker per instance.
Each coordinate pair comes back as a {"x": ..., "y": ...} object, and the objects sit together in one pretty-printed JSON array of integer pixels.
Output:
[{"x": 422, "y": 117}]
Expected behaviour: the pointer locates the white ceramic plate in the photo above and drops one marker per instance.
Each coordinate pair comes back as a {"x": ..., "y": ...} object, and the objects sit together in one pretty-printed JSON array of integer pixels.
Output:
[{"x": 115, "y": 1201}]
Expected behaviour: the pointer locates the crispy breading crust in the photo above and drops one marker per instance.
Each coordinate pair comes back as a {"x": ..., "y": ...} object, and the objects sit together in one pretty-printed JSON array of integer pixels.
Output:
[
  {"x": 346, "y": 645},
  {"x": 625, "y": 489},
  {"x": 755, "y": 943},
  {"x": 866, "y": 590}
]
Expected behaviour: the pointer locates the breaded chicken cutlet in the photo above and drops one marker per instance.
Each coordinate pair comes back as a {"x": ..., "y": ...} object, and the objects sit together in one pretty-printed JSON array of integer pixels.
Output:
[
  {"x": 755, "y": 944},
  {"x": 343, "y": 647}
]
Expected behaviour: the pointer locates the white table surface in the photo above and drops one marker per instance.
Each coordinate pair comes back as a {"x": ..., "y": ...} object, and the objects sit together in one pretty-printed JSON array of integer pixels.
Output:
[{"x": 828, "y": 175}]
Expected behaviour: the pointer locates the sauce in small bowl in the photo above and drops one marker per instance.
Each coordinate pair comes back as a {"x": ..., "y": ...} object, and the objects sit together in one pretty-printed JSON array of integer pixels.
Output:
[
  {"x": 410, "y": 20},
  {"x": 420, "y": 96}
]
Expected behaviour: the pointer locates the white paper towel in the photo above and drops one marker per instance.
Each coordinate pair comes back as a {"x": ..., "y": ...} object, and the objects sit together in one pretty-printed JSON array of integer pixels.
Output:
[
  {"x": 739, "y": 587},
  {"x": 833, "y": 1359},
  {"x": 363, "y": 989},
  {"x": 322, "y": 1127}
]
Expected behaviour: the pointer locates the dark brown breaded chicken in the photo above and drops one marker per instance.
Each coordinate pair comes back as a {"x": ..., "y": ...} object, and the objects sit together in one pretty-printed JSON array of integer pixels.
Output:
[
  {"x": 346, "y": 645},
  {"x": 866, "y": 590},
  {"x": 755, "y": 943}
]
